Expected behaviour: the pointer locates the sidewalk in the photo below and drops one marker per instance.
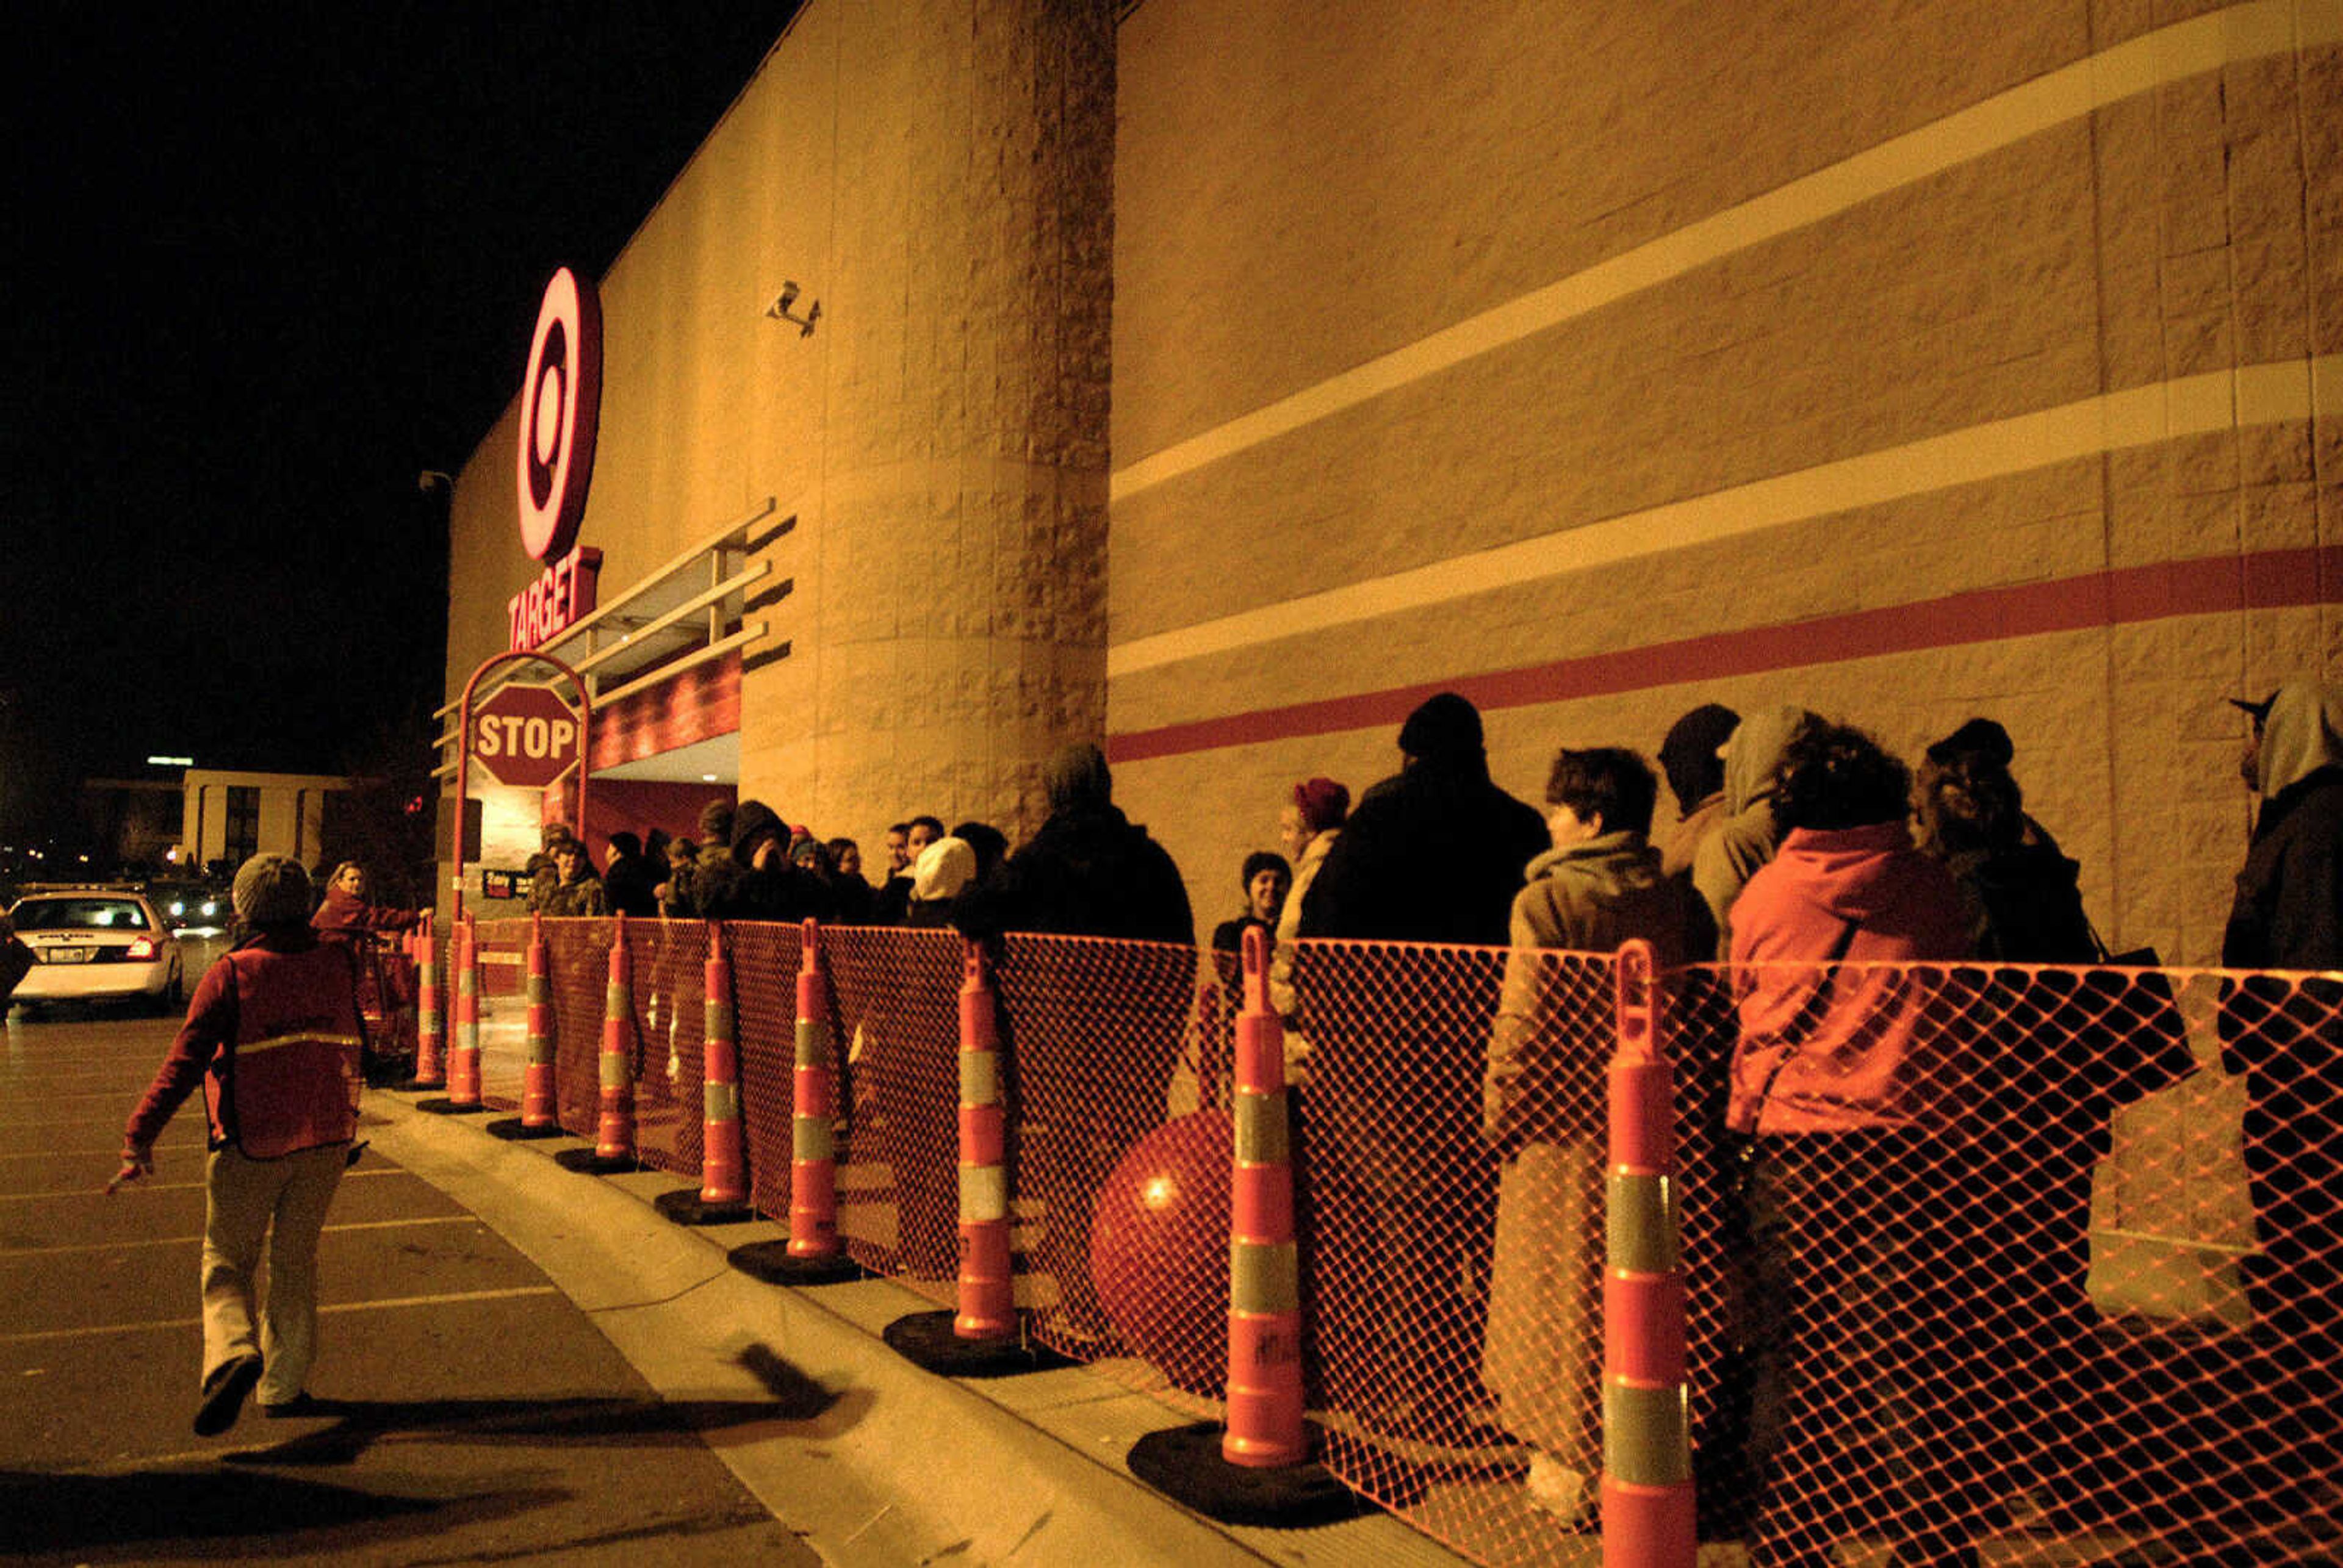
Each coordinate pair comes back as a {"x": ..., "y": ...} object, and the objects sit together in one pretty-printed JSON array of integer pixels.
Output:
[{"x": 880, "y": 1463}]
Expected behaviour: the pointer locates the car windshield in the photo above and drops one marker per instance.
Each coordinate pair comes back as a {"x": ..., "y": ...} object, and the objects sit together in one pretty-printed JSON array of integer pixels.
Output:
[{"x": 79, "y": 915}]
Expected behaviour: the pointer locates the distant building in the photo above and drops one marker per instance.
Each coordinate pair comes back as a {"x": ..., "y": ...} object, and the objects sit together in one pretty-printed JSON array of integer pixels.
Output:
[{"x": 230, "y": 817}]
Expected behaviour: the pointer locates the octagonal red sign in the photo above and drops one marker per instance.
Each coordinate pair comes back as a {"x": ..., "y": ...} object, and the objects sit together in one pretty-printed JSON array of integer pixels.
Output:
[{"x": 525, "y": 736}]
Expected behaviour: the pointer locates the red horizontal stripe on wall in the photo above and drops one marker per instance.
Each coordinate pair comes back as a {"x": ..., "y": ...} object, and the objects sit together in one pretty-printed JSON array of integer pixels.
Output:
[{"x": 2205, "y": 586}]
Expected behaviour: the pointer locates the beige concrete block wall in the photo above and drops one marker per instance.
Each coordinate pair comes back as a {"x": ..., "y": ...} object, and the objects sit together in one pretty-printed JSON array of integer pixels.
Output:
[
  {"x": 939, "y": 178},
  {"x": 1980, "y": 361}
]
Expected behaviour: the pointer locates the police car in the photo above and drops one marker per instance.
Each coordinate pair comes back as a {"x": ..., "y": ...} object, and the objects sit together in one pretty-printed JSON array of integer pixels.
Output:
[{"x": 97, "y": 942}]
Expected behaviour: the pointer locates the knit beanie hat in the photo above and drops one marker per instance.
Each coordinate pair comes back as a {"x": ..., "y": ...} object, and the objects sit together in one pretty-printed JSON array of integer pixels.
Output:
[
  {"x": 271, "y": 890},
  {"x": 1977, "y": 738},
  {"x": 1322, "y": 802},
  {"x": 1688, "y": 755},
  {"x": 753, "y": 825},
  {"x": 943, "y": 869},
  {"x": 1444, "y": 727}
]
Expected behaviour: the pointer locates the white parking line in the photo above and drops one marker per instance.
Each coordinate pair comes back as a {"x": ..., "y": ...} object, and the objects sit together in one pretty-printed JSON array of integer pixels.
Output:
[
  {"x": 8, "y": 1254},
  {"x": 145, "y": 1186},
  {"x": 392, "y": 1303}
]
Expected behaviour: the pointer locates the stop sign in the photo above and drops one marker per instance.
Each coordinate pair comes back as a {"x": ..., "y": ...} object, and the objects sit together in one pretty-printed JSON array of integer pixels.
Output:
[{"x": 525, "y": 736}]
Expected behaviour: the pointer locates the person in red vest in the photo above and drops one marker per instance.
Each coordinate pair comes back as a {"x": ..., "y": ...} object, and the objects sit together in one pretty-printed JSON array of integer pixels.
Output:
[{"x": 273, "y": 1037}]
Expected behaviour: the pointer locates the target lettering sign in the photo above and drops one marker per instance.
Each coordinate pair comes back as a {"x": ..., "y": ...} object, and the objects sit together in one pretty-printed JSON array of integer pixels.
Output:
[
  {"x": 525, "y": 736},
  {"x": 560, "y": 407}
]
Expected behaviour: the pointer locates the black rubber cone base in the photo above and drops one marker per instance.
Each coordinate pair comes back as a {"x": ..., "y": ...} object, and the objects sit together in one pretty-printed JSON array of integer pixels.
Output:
[
  {"x": 586, "y": 1163},
  {"x": 449, "y": 1108},
  {"x": 926, "y": 1340},
  {"x": 512, "y": 1128},
  {"x": 684, "y": 1207},
  {"x": 421, "y": 1086},
  {"x": 1185, "y": 1465},
  {"x": 770, "y": 1261}
]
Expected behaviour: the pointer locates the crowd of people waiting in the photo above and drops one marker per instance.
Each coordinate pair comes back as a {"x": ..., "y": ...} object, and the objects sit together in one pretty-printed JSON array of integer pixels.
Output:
[{"x": 1798, "y": 845}]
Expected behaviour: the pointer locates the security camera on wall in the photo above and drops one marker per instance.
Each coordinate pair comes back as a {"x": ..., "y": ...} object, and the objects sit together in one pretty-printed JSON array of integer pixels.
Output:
[{"x": 783, "y": 303}]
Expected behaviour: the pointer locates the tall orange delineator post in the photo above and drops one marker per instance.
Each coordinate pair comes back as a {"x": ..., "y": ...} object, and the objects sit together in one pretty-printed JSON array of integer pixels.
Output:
[
  {"x": 723, "y": 1195},
  {"x": 813, "y": 1143},
  {"x": 1648, "y": 1486},
  {"x": 540, "y": 1109},
  {"x": 988, "y": 1295},
  {"x": 985, "y": 1337},
  {"x": 1255, "y": 1470},
  {"x": 1265, "y": 1423},
  {"x": 540, "y": 1104},
  {"x": 614, "y": 1125},
  {"x": 464, "y": 1059},
  {"x": 430, "y": 1022},
  {"x": 813, "y": 1255}
]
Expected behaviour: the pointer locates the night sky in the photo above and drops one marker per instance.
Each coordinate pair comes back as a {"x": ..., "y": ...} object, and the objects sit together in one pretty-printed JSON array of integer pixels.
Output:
[{"x": 259, "y": 273}]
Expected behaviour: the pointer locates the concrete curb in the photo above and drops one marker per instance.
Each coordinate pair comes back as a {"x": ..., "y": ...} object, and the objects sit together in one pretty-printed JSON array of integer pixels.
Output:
[{"x": 885, "y": 1463}]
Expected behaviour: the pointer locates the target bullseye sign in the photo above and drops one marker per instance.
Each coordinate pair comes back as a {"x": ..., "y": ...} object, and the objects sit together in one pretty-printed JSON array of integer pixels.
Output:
[
  {"x": 561, "y": 405},
  {"x": 525, "y": 736}
]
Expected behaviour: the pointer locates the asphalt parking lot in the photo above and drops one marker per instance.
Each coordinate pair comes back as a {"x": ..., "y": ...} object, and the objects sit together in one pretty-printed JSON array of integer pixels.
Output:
[{"x": 471, "y": 1412}]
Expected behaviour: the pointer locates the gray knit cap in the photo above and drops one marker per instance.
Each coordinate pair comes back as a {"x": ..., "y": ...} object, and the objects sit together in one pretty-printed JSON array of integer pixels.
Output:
[{"x": 271, "y": 890}]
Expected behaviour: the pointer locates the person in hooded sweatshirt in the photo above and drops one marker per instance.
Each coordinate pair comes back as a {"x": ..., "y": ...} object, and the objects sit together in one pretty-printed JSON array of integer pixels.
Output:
[
  {"x": 1724, "y": 861},
  {"x": 1848, "y": 1087},
  {"x": 273, "y": 1037},
  {"x": 1433, "y": 854},
  {"x": 765, "y": 883},
  {"x": 2285, "y": 1035},
  {"x": 1094, "y": 1033},
  {"x": 1600, "y": 886},
  {"x": 1691, "y": 759}
]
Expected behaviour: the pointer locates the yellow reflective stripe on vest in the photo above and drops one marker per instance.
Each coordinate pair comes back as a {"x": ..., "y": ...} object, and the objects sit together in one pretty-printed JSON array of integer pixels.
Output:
[{"x": 277, "y": 1042}]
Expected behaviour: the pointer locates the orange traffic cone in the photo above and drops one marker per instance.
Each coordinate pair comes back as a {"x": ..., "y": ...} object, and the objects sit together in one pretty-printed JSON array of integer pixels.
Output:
[
  {"x": 429, "y": 1022},
  {"x": 723, "y": 1195},
  {"x": 614, "y": 1127}
]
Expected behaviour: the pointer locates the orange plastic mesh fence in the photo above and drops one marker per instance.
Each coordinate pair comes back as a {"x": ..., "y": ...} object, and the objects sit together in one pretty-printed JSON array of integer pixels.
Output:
[
  {"x": 2077, "y": 1289},
  {"x": 2080, "y": 1296},
  {"x": 504, "y": 1007},
  {"x": 897, "y": 997},
  {"x": 1454, "y": 1294},
  {"x": 1121, "y": 1174}
]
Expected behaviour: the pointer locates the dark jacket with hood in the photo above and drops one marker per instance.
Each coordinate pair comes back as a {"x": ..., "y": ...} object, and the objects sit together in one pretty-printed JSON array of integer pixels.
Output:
[
  {"x": 2289, "y": 910},
  {"x": 1433, "y": 853},
  {"x": 2023, "y": 905},
  {"x": 738, "y": 890},
  {"x": 1089, "y": 871},
  {"x": 1724, "y": 862}
]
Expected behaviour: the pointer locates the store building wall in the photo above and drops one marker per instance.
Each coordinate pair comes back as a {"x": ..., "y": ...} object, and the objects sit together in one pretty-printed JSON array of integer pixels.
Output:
[
  {"x": 1978, "y": 357},
  {"x": 937, "y": 177}
]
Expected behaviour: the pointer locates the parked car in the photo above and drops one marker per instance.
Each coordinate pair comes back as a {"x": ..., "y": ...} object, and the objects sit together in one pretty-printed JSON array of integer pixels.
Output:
[{"x": 97, "y": 942}]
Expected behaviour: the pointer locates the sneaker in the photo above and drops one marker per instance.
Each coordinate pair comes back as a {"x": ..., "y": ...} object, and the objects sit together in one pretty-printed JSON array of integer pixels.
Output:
[{"x": 224, "y": 1394}]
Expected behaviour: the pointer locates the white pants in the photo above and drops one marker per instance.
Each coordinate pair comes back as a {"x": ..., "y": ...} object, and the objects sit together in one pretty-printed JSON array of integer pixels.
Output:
[{"x": 285, "y": 1200}]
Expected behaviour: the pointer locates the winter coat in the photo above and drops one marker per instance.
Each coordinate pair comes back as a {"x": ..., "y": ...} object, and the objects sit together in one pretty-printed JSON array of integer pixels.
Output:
[
  {"x": 1824, "y": 1052},
  {"x": 580, "y": 897},
  {"x": 2289, "y": 909},
  {"x": 1587, "y": 898},
  {"x": 1289, "y": 924},
  {"x": 273, "y": 1037},
  {"x": 627, "y": 881},
  {"x": 2022, "y": 905},
  {"x": 1433, "y": 854},
  {"x": 1723, "y": 864},
  {"x": 345, "y": 913},
  {"x": 1089, "y": 871}
]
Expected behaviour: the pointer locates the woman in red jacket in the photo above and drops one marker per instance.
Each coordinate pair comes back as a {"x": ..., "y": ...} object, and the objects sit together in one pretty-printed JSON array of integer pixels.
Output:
[
  {"x": 1846, "y": 1083},
  {"x": 346, "y": 917},
  {"x": 273, "y": 1037}
]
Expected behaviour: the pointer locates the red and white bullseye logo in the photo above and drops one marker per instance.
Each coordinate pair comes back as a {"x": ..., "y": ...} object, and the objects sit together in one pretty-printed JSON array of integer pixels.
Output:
[{"x": 561, "y": 404}]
